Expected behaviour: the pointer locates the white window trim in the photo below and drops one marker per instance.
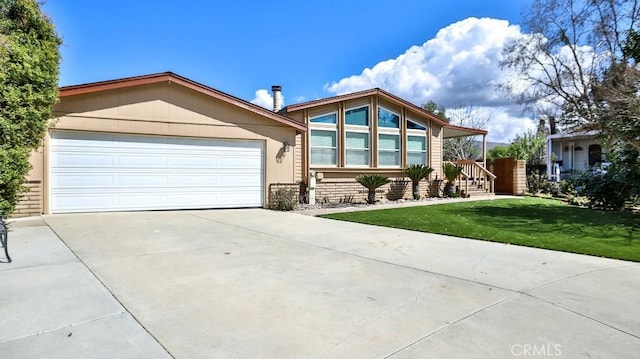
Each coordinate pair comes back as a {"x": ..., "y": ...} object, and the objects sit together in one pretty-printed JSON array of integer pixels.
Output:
[
  {"x": 333, "y": 127},
  {"x": 418, "y": 133},
  {"x": 393, "y": 112},
  {"x": 426, "y": 127},
  {"x": 347, "y": 126},
  {"x": 425, "y": 152},
  {"x": 322, "y": 115},
  {"x": 356, "y": 129},
  {"x": 395, "y": 132}
]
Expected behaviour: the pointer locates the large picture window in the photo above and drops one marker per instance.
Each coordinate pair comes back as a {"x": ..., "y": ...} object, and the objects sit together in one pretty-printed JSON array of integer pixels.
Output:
[
  {"x": 357, "y": 149},
  {"x": 388, "y": 150},
  {"x": 323, "y": 147}
]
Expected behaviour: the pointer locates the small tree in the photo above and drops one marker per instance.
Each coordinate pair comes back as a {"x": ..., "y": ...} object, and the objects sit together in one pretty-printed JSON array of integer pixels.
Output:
[
  {"x": 29, "y": 62},
  {"x": 416, "y": 173},
  {"x": 451, "y": 172},
  {"x": 372, "y": 182}
]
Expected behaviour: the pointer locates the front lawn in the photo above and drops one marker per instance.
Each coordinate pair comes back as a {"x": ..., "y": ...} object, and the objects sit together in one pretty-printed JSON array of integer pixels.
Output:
[{"x": 533, "y": 222}]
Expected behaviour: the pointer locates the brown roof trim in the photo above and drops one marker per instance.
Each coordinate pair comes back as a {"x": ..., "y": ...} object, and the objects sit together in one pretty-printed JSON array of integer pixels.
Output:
[
  {"x": 388, "y": 96},
  {"x": 375, "y": 91},
  {"x": 328, "y": 100},
  {"x": 170, "y": 77}
]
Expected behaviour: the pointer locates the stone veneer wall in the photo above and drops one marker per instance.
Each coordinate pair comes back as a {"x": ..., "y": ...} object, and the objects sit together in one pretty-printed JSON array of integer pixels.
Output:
[
  {"x": 30, "y": 203},
  {"x": 340, "y": 191},
  {"x": 520, "y": 178}
]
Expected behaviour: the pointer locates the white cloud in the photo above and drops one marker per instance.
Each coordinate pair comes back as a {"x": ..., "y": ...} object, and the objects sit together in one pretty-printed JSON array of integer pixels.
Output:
[
  {"x": 460, "y": 66},
  {"x": 263, "y": 98}
]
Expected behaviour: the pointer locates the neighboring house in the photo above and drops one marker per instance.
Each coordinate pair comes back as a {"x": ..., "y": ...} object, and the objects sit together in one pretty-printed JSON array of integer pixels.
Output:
[
  {"x": 568, "y": 152},
  {"x": 162, "y": 141}
]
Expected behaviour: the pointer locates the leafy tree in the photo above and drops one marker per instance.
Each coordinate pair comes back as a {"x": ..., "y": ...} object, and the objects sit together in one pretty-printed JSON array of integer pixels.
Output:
[
  {"x": 29, "y": 65},
  {"x": 569, "y": 47},
  {"x": 499, "y": 152},
  {"x": 529, "y": 146},
  {"x": 435, "y": 109},
  {"x": 581, "y": 59}
]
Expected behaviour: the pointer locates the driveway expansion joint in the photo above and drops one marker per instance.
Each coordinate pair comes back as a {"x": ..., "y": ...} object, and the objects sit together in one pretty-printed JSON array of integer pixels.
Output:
[
  {"x": 110, "y": 292},
  {"x": 52, "y": 330}
]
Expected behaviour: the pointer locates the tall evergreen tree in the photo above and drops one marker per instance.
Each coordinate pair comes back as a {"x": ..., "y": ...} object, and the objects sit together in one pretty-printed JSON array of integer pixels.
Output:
[{"x": 29, "y": 67}]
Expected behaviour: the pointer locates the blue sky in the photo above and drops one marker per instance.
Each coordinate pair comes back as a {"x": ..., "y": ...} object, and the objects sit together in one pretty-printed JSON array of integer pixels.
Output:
[{"x": 311, "y": 48}]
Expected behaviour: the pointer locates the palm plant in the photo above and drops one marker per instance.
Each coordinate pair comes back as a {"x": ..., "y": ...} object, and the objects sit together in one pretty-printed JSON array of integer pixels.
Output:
[
  {"x": 451, "y": 172},
  {"x": 372, "y": 182},
  {"x": 416, "y": 173}
]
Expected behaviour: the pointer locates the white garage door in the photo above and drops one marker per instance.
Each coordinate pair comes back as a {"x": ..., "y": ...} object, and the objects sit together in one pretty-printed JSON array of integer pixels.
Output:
[{"x": 108, "y": 172}]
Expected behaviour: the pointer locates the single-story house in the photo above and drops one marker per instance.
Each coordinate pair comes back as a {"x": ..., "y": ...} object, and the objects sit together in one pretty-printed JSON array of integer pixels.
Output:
[
  {"x": 162, "y": 141},
  {"x": 569, "y": 152}
]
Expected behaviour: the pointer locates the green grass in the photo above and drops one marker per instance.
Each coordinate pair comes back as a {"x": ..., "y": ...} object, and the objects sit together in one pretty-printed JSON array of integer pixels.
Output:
[{"x": 533, "y": 222}]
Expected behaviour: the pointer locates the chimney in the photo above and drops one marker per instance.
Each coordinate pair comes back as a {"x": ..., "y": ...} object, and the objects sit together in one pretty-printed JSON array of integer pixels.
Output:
[{"x": 277, "y": 97}]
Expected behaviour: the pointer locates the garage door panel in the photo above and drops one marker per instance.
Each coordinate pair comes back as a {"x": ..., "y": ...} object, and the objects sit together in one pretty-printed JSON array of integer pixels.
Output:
[
  {"x": 104, "y": 172},
  {"x": 245, "y": 180},
  {"x": 82, "y": 180},
  {"x": 146, "y": 180},
  {"x": 76, "y": 202},
  {"x": 86, "y": 159},
  {"x": 195, "y": 161},
  {"x": 150, "y": 161}
]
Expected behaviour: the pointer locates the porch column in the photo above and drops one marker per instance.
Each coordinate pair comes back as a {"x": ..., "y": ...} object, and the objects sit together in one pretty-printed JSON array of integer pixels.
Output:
[{"x": 484, "y": 151}]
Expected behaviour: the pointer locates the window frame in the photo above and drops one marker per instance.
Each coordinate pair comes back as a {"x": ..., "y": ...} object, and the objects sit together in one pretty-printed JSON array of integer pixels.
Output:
[
  {"x": 398, "y": 151},
  {"x": 368, "y": 107},
  {"x": 418, "y": 133},
  {"x": 328, "y": 127},
  {"x": 392, "y": 112},
  {"x": 361, "y": 130}
]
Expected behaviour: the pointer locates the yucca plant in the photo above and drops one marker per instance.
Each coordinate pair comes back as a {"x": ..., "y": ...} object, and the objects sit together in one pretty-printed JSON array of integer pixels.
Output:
[
  {"x": 372, "y": 182},
  {"x": 416, "y": 173},
  {"x": 451, "y": 172}
]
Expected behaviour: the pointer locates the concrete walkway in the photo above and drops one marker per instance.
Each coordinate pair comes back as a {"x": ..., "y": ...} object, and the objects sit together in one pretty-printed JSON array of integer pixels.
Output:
[{"x": 257, "y": 283}]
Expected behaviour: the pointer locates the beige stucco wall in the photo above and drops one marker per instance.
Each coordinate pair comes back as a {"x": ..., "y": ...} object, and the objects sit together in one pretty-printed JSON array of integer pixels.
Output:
[{"x": 166, "y": 109}]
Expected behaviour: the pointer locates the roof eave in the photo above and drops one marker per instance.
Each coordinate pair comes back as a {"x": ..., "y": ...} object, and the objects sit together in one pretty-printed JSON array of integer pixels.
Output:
[{"x": 170, "y": 77}]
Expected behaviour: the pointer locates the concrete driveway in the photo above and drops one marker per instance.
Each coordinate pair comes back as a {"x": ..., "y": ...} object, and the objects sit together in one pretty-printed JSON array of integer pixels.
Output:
[{"x": 262, "y": 284}]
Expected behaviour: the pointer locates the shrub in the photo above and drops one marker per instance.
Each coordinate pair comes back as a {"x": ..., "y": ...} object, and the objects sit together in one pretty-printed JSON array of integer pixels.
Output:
[
  {"x": 372, "y": 182},
  {"x": 538, "y": 182},
  {"x": 451, "y": 172},
  {"x": 283, "y": 199},
  {"x": 580, "y": 201},
  {"x": 606, "y": 191},
  {"x": 416, "y": 173}
]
